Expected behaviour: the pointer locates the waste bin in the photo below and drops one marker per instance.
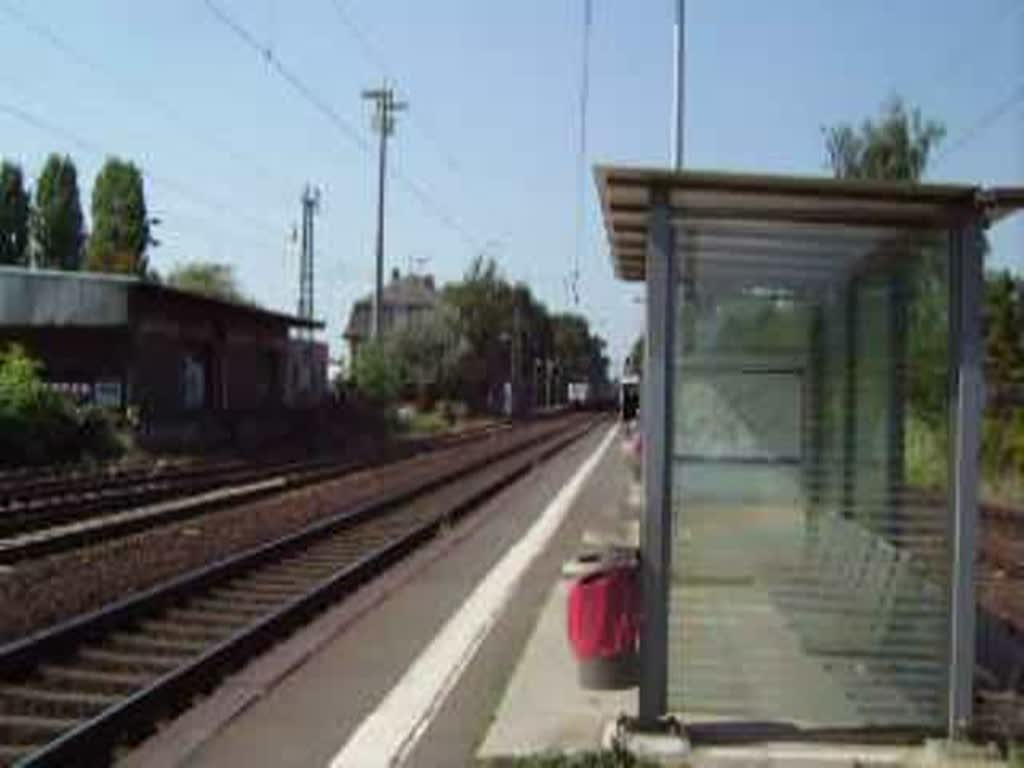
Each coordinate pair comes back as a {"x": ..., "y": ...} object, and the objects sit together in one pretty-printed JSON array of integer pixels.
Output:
[{"x": 604, "y": 624}]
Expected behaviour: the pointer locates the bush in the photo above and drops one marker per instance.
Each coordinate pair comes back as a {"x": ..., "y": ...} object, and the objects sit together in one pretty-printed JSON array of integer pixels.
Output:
[
  {"x": 615, "y": 758},
  {"x": 377, "y": 373},
  {"x": 927, "y": 454},
  {"x": 1002, "y": 457},
  {"x": 40, "y": 426}
]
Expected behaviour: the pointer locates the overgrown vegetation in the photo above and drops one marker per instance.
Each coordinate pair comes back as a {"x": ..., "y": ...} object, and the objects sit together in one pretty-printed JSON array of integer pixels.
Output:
[
  {"x": 40, "y": 426},
  {"x": 207, "y": 279},
  {"x": 896, "y": 147},
  {"x": 485, "y": 331},
  {"x": 377, "y": 372}
]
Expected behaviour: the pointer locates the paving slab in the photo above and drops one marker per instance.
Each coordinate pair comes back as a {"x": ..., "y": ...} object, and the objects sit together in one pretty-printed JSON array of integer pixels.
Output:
[{"x": 545, "y": 708}]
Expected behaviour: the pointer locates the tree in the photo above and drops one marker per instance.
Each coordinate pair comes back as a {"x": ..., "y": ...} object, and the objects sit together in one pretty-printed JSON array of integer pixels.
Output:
[
  {"x": 57, "y": 226},
  {"x": 206, "y": 278},
  {"x": 377, "y": 372},
  {"x": 580, "y": 354},
  {"x": 895, "y": 148},
  {"x": 483, "y": 316},
  {"x": 430, "y": 354},
  {"x": 120, "y": 225},
  {"x": 14, "y": 213}
]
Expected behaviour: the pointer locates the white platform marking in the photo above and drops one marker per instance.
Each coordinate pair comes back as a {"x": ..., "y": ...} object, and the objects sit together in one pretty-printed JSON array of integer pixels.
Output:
[{"x": 388, "y": 735}]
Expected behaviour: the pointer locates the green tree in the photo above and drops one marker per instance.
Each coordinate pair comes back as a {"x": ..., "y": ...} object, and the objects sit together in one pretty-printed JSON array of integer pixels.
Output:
[
  {"x": 896, "y": 147},
  {"x": 57, "y": 225},
  {"x": 120, "y": 225},
  {"x": 429, "y": 351},
  {"x": 378, "y": 372},
  {"x": 580, "y": 353},
  {"x": 497, "y": 324},
  {"x": 14, "y": 214},
  {"x": 482, "y": 309},
  {"x": 206, "y": 278}
]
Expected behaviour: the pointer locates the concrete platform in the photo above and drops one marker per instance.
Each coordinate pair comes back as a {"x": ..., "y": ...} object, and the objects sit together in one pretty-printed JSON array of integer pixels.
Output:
[
  {"x": 511, "y": 690},
  {"x": 545, "y": 708},
  {"x": 307, "y": 700}
]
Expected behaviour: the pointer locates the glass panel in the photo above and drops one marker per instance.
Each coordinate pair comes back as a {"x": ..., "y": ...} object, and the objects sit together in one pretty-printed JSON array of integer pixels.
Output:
[{"x": 811, "y": 536}]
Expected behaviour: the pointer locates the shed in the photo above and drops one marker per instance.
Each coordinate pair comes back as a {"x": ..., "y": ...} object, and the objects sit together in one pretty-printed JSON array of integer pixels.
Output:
[
  {"x": 123, "y": 341},
  {"x": 811, "y": 405}
]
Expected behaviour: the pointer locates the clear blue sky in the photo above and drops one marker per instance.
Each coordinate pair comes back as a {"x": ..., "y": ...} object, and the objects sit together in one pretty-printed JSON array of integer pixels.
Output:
[{"x": 492, "y": 132}]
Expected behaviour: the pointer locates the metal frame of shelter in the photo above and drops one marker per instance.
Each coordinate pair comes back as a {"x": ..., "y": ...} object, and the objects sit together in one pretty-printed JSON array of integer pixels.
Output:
[{"x": 658, "y": 221}]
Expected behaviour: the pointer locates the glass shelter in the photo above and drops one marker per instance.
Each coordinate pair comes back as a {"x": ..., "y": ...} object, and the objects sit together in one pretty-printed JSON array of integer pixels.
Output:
[{"x": 811, "y": 407}]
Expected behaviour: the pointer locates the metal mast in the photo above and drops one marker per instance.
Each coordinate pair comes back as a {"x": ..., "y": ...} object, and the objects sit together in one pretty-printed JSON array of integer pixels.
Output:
[{"x": 310, "y": 205}]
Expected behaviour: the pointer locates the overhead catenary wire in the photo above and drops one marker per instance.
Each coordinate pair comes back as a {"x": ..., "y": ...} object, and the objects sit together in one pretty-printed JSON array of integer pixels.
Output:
[
  {"x": 342, "y": 125},
  {"x": 374, "y": 55},
  {"x": 581, "y": 157},
  {"x": 114, "y": 80},
  {"x": 979, "y": 126},
  {"x": 274, "y": 62},
  {"x": 88, "y": 146}
]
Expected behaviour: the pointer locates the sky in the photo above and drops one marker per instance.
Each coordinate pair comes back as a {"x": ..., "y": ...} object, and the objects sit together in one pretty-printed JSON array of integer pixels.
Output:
[{"x": 485, "y": 159}]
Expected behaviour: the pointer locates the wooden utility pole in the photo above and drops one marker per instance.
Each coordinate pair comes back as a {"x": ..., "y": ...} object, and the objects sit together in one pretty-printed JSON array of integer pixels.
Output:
[{"x": 384, "y": 124}]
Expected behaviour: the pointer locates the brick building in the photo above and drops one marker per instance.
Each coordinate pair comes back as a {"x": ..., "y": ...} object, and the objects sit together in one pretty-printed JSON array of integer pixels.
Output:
[{"x": 176, "y": 356}]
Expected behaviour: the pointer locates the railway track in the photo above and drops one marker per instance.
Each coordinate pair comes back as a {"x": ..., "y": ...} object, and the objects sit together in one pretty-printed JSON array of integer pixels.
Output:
[
  {"x": 71, "y": 694},
  {"x": 41, "y": 520},
  {"x": 999, "y": 651}
]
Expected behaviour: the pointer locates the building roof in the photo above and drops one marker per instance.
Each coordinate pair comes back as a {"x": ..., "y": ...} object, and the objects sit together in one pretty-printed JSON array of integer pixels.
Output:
[
  {"x": 403, "y": 291},
  {"x": 741, "y": 208},
  {"x": 54, "y": 297}
]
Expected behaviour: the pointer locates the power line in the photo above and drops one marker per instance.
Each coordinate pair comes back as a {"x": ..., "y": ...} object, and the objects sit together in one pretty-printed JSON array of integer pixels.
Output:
[
  {"x": 339, "y": 122},
  {"x": 108, "y": 77},
  {"x": 984, "y": 122},
  {"x": 581, "y": 157},
  {"x": 374, "y": 55},
  {"x": 966, "y": 45},
  {"x": 90, "y": 147},
  {"x": 275, "y": 63}
]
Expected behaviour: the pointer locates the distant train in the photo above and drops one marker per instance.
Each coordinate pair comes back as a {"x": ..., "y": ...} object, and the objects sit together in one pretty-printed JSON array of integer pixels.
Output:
[
  {"x": 586, "y": 395},
  {"x": 578, "y": 395}
]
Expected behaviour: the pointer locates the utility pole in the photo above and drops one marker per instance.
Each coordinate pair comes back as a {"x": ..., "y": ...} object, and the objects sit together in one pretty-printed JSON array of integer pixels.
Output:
[
  {"x": 384, "y": 124},
  {"x": 679, "y": 46},
  {"x": 310, "y": 205}
]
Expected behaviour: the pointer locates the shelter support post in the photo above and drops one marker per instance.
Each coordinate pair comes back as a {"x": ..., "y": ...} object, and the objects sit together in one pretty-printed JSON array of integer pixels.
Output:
[
  {"x": 966, "y": 286},
  {"x": 852, "y": 317},
  {"x": 658, "y": 438},
  {"x": 898, "y": 364}
]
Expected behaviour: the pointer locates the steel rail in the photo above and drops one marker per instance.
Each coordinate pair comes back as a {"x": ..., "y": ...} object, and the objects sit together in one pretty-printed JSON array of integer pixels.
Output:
[
  {"x": 239, "y": 605},
  {"x": 74, "y": 526}
]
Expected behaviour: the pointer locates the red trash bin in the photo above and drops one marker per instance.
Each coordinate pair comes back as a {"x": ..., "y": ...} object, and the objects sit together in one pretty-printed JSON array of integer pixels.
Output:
[{"x": 604, "y": 626}]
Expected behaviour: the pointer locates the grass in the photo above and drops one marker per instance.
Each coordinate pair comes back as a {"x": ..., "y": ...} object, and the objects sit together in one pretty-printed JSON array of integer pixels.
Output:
[
  {"x": 603, "y": 759},
  {"x": 425, "y": 423}
]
